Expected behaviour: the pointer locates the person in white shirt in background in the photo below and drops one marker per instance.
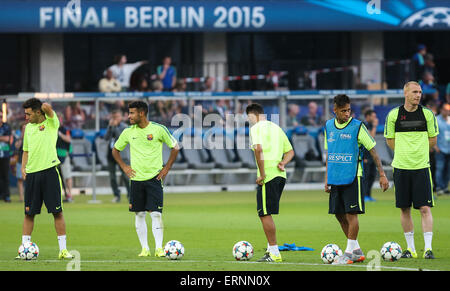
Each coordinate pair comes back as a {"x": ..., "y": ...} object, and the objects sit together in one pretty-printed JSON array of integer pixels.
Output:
[
  {"x": 122, "y": 70},
  {"x": 109, "y": 84}
]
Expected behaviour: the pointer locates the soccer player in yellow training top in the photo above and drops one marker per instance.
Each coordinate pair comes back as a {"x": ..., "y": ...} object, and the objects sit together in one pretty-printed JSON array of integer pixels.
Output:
[
  {"x": 39, "y": 169},
  {"x": 146, "y": 171},
  {"x": 273, "y": 152},
  {"x": 411, "y": 131}
]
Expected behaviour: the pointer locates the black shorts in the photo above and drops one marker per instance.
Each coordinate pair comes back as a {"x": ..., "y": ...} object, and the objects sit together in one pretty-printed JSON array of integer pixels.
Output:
[
  {"x": 268, "y": 196},
  {"x": 43, "y": 186},
  {"x": 413, "y": 187},
  {"x": 347, "y": 198},
  {"x": 146, "y": 195}
]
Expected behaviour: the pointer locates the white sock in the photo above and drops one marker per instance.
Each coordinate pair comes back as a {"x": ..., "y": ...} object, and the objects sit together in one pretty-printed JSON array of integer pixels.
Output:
[
  {"x": 356, "y": 245},
  {"x": 62, "y": 242},
  {"x": 274, "y": 250},
  {"x": 141, "y": 229},
  {"x": 157, "y": 228},
  {"x": 26, "y": 238},
  {"x": 350, "y": 245},
  {"x": 409, "y": 236},
  {"x": 428, "y": 236}
]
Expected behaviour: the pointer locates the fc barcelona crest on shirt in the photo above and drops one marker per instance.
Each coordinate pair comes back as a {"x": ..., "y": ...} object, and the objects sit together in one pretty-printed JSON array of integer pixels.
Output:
[
  {"x": 149, "y": 136},
  {"x": 42, "y": 127}
]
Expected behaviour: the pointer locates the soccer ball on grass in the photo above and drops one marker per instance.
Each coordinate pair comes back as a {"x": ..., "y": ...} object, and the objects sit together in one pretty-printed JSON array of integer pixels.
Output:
[
  {"x": 28, "y": 251},
  {"x": 330, "y": 253},
  {"x": 242, "y": 251},
  {"x": 174, "y": 250},
  {"x": 391, "y": 251}
]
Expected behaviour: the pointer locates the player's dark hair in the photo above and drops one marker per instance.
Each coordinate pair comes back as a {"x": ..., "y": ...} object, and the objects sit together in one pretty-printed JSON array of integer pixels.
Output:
[
  {"x": 254, "y": 108},
  {"x": 33, "y": 103},
  {"x": 139, "y": 105},
  {"x": 341, "y": 100}
]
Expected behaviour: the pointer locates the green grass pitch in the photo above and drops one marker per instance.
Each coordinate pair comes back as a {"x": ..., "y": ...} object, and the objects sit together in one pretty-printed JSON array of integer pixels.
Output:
[{"x": 208, "y": 224}]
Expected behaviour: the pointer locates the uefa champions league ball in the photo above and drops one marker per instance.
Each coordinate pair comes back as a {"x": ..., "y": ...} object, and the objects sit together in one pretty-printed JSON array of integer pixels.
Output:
[
  {"x": 391, "y": 251},
  {"x": 330, "y": 253},
  {"x": 28, "y": 251},
  {"x": 174, "y": 250},
  {"x": 242, "y": 251}
]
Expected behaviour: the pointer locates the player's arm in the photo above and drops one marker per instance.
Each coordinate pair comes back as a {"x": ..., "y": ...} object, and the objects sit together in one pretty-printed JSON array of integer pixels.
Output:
[
  {"x": 47, "y": 109},
  {"x": 24, "y": 164},
  {"x": 259, "y": 157},
  {"x": 369, "y": 143},
  {"x": 432, "y": 128},
  {"x": 165, "y": 170},
  {"x": 125, "y": 168},
  {"x": 288, "y": 152},
  {"x": 325, "y": 147},
  {"x": 287, "y": 157},
  {"x": 384, "y": 183},
  {"x": 432, "y": 141},
  {"x": 389, "y": 128},
  {"x": 119, "y": 146},
  {"x": 391, "y": 143}
]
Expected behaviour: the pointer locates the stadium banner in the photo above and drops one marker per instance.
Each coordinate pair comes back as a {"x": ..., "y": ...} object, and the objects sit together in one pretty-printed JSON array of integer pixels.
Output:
[{"x": 34, "y": 16}]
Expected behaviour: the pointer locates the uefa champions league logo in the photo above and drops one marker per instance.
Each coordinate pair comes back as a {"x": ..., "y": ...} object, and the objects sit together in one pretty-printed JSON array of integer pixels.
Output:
[{"x": 429, "y": 17}]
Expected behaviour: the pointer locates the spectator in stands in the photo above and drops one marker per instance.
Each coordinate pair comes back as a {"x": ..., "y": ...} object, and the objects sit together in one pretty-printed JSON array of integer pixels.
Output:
[
  {"x": 272, "y": 81},
  {"x": 181, "y": 105},
  {"x": 109, "y": 83},
  {"x": 18, "y": 152},
  {"x": 222, "y": 107},
  {"x": 74, "y": 115},
  {"x": 157, "y": 86},
  {"x": 167, "y": 74},
  {"x": 429, "y": 65},
  {"x": 180, "y": 86},
  {"x": 104, "y": 114},
  {"x": 5, "y": 139},
  {"x": 442, "y": 151},
  {"x": 418, "y": 62},
  {"x": 427, "y": 82},
  {"x": 313, "y": 117},
  {"x": 63, "y": 149},
  {"x": 369, "y": 166},
  {"x": 122, "y": 70},
  {"x": 123, "y": 108},
  {"x": 208, "y": 84},
  {"x": 115, "y": 128},
  {"x": 293, "y": 111}
]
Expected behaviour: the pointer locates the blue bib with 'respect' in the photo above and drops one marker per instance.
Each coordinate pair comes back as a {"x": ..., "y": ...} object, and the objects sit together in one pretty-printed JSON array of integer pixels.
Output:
[{"x": 343, "y": 152}]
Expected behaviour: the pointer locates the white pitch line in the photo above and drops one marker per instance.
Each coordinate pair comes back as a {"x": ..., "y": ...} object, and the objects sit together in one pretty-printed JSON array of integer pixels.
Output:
[{"x": 232, "y": 262}]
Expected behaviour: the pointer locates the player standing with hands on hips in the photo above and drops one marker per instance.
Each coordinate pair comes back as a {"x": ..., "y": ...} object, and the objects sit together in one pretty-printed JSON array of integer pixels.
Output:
[
  {"x": 146, "y": 171},
  {"x": 40, "y": 172},
  {"x": 344, "y": 137},
  {"x": 411, "y": 131}
]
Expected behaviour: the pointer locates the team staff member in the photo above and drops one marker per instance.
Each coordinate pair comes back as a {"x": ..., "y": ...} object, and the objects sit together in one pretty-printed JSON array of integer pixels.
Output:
[
  {"x": 344, "y": 137},
  {"x": 39, "y": 169},
  {"x": 146, "y": 171},
  {"x": 273, "y": 152},
  {"x": 411, "y": 131}
]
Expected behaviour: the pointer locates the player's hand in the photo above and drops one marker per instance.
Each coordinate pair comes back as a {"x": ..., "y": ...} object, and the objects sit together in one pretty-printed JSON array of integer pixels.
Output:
[
  {"x": 24, "y": 174},
  {"x": 260, "y": 180},
  {"x": 162, "y": 175},
  {"x": 129, "y": 171},
  {"x": 384, "y": 183},
  {"x": 327, "y": 188},
  {"x": 281, "y": 166}
]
